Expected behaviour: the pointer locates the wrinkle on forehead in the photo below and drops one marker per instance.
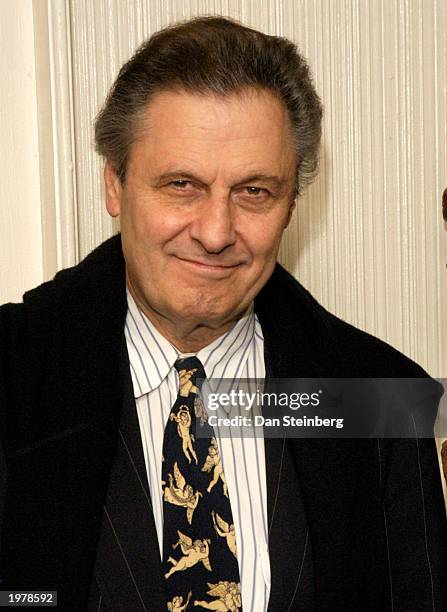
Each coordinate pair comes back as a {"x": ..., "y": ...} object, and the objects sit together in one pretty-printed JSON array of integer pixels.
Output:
[
  {"x": 222, "y": 111},
  {"x": 247, "y": 133}
]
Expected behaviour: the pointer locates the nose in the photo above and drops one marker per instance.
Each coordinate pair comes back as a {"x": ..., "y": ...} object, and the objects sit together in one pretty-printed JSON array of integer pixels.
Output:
[{"x": 213, "y": 224}]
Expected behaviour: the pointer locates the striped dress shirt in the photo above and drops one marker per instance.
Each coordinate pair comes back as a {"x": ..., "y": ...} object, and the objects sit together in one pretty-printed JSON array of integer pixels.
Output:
[{"x": 239, "y": 353}]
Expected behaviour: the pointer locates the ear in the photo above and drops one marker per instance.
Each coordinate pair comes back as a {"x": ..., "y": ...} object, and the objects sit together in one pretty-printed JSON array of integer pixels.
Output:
[
  {"x": 289, "y": 214},
  {"x": 114, "y": 190}
]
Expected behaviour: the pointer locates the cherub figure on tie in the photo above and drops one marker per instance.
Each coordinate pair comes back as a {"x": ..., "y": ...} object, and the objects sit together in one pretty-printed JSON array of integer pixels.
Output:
[
  {"x": 176, "y": 604},
  {"x": 213, "y": 461},
  {"x": 181, "y": 494},
  {"x": 200, "y": 412},
  {"x": 225, "y": 530},
  {"x": 193, "y": 552},
  {"x": 229, "y": 594},
  {"x": 186, "y": 384},
  {"x": 183, "y": 419}
]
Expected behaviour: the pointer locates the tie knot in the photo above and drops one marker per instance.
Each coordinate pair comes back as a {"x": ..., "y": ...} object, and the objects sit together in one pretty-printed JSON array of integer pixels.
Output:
[{"x": 191, "y": 374}]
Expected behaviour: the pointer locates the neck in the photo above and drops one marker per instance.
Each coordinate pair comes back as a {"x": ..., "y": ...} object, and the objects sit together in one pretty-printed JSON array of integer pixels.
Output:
[{"x": 187, "y": 337}]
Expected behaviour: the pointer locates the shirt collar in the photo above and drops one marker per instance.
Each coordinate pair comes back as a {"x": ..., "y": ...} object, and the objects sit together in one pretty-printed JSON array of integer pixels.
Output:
[
  {"x": 228, "y": 354},
  {"x": 152, "y": 356}
]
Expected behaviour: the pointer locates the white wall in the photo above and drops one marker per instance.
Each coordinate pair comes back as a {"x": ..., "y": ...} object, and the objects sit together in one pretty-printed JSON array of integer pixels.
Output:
[{"x": 21, "y": 258}]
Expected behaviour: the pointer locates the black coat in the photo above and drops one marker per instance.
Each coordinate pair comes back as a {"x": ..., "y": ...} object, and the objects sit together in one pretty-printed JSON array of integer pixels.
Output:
[{"x": 374, "y": 507}]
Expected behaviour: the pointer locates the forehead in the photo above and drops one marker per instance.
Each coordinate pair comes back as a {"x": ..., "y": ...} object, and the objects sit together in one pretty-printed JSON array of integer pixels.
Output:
[
  {"x": 210, "y": 107},
  {"x": 251, "y": 127}
]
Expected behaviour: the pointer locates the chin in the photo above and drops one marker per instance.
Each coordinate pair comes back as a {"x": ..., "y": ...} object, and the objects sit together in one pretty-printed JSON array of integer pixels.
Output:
[
  {"x": 200, "y": 314},
  {"x": 211, "y": 314}
]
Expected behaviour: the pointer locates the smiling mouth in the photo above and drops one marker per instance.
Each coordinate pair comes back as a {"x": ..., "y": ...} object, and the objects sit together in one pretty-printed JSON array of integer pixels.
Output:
[{"x": 208, "y": 267}]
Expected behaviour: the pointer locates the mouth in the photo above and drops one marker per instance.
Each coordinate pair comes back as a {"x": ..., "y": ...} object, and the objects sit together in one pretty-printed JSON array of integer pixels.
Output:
[{"x": 208, "y": 268}]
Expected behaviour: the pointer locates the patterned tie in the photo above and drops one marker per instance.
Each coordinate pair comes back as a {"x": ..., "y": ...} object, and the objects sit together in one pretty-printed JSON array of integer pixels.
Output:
[{"x": 199, "y": 541}]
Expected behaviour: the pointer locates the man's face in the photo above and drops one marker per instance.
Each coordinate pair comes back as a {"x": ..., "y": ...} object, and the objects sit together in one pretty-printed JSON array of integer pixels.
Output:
[{"x": 208, "y": 192}]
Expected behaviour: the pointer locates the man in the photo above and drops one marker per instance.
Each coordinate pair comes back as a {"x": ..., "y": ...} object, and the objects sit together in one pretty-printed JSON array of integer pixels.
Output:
[{"x": 112, "y": 498}]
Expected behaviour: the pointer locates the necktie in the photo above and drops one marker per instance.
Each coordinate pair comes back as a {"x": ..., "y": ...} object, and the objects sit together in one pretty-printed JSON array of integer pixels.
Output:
[{"x": 199, "y": 542}]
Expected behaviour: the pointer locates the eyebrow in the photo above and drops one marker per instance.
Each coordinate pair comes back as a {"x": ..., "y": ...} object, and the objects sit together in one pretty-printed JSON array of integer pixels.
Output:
[
  {"x": 273, "y": 180},
  {"x": 276, "y": 181},
  {"x": 174, "y": 175}
]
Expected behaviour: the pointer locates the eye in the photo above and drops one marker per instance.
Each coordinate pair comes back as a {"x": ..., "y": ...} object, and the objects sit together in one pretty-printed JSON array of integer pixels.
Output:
[
  {"x": 180, "y": 184},
  {"x": 185, "y": 188},
  {"x": 255, "y": 191}
]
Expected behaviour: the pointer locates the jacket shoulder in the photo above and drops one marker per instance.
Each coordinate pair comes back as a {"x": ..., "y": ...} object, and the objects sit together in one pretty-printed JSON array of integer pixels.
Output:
[
  {"x": 97, "y": 268},
  {"x": 358, "y": 350},
  {"x": 33, "y": 332}
]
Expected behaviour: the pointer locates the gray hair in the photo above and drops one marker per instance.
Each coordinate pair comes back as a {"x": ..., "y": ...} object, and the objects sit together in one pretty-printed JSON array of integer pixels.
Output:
[{"x": 211, "y": 55}]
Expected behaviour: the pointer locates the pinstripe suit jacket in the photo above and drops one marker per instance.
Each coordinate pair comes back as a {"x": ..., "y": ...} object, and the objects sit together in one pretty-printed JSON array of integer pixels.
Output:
[{"x": 373, "y": 509}]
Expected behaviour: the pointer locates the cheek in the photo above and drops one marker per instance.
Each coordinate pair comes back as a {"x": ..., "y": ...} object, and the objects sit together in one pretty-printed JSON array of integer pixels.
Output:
[
  {"x": 265, "y": 242},
  {"x": 152, "y": 227},
  {"x": 170, "y": 225}
]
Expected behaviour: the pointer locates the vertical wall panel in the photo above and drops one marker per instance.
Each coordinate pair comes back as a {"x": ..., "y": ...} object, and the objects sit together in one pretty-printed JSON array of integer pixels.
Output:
[
  {"x": 21, "y": 260},
  {"x": 367, "y": 239}
]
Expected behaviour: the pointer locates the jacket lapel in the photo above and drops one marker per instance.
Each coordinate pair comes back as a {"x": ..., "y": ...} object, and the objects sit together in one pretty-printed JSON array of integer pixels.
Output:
[
  {"x": 128, "y": 568},
  {"x": 290, "y": 547},
  {"x": 290, "y": 543},
  {"x": 337, "y": 496}
]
